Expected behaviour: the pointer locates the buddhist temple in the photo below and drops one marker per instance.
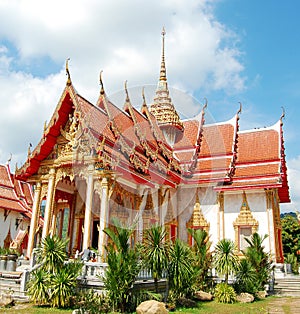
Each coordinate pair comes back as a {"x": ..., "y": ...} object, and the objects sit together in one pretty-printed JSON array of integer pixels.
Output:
[
  {"x": 98, "y": 161},
  {"x": 16, "y": 200}
]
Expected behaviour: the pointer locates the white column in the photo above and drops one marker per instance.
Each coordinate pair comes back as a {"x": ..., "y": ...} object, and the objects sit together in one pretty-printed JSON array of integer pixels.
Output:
[
  {"x": 34, "y": 218},
  {"x": 103, "y": 216},
  {"x": 49, "y": 203},
  {"x": 88, "y": 208}
]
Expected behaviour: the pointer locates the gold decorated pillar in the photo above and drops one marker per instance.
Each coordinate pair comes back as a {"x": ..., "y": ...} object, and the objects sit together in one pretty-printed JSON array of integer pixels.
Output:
[
  {"x": 34, "y": 218},
  {"x": 103, "y": 215},
  {"x": 220, "y": 222},
  {"x": 88, "y": 208},
  {"x": 49, "y": 203}
]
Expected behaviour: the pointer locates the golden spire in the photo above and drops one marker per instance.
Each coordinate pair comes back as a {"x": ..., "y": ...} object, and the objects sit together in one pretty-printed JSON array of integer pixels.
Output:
[{"x": 163, "y": 71}]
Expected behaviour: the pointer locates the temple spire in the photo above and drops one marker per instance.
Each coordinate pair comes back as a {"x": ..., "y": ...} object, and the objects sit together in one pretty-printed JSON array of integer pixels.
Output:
[
  {"x": 162, "y": 108},
  {"x": 163, "y": 76}
]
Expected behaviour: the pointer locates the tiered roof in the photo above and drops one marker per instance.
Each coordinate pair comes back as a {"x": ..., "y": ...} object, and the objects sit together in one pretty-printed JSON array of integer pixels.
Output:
[
  {"x": 15, "y": 195},
  {"x": 133, "y": 143}
]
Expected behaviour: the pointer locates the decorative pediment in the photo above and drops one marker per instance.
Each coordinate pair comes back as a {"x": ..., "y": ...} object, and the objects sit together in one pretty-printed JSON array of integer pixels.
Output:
[
  {"x": 245, "y": 217},
  {"x": 197, "y": 219}
]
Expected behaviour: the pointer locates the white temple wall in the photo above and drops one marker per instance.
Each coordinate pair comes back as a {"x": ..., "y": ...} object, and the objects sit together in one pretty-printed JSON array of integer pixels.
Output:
[
  {"x": 257, "y": 204},
  {"x": 10, "y": 224}
]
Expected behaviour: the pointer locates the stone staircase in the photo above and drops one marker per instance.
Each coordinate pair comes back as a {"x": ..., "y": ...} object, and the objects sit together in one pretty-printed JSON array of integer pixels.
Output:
[
  {"x": 288, "y": 286},
  {"x": 11, "y": 286}
]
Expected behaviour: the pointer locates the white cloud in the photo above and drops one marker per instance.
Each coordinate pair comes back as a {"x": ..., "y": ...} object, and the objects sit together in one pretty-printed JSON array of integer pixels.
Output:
[{"x": 120, "y": 37}]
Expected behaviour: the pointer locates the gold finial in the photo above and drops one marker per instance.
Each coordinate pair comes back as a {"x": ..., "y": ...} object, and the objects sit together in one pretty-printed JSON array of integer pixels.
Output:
[
  {"x": 29, "y": 150},
  {"x": 143, "y": 95},
  {"x": 163, "y": 71},
  {"x": 206, "y": 104},
  {"x": 283, "y": 113},
  {"x": 45, "y": 126},
  {"x": 126, "y": 91},
  {"x": 240, "y": 109},
  {"x": 68, "y": 72},
  {"x": 101, "y": 83}
]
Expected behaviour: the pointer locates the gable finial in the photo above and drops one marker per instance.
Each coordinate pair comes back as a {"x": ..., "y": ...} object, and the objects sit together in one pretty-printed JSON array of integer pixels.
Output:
[
  {"x": 240, "y": 109},
  {"x": 68, "y": 72},
  {"x": 283, "y": 113},
  {"x": 126, "y": 91},
  {"x": 163, "y": 71},
  {"x": 206, "y": 103},
  {"x": 143, "y": 95},
  {"x": 101, "y": 83}
]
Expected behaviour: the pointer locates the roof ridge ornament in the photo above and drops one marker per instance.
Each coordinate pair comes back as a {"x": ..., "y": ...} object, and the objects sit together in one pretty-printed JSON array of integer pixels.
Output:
[
  {"x": 69, "y": 82},
  {"x": 240, "y": 109},
  {"x": 102, "y": 92},
  {"x": 126, "y": 91},
  {"x": 283, "y": 114}
]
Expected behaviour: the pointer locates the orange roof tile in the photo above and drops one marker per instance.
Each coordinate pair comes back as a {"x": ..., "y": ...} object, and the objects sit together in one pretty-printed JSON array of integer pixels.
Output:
[{"x": 258, "y": 145}]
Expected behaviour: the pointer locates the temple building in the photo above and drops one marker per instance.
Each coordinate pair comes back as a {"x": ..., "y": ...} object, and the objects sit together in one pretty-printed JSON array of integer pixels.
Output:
[
  {"x": 95, "y": 162},
  {"x": 16, "y": 200}
]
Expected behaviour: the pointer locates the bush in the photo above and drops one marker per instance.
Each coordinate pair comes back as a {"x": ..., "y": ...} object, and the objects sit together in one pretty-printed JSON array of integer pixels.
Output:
[
  {"x": 224, "y": 293},
  {"x": 93, "y": 303}
]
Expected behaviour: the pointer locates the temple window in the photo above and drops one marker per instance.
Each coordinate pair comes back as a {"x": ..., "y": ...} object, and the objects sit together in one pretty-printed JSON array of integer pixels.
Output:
[{"x": 245, "y": 225}]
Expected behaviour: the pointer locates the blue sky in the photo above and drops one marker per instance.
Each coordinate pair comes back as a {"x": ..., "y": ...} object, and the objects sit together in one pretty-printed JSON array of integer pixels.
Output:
[{"x": 228, "y": 51}]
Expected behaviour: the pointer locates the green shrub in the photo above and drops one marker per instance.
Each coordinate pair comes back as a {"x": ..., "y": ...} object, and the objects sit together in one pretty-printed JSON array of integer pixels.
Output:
[{"x": 224, "y": 293}]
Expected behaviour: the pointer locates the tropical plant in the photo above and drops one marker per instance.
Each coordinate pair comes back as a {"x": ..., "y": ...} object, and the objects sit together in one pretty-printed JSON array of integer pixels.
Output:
[
  {"x": 292, "y": 260},
  {"x": 38, "y": 287},
  {"x": 181, "y": 271},
  {"x": 203, "y": 256},
  {"x": 224, "y": 293},
  {"x": 53, "y": 282},
  {"x": 155, "y": 252},
  {"x": 225, "y": 259},
  {"x": 245, "y": 277},
  {"x": 52, "y": 253},
  {"x": 123, "y": 267},
  {"x": 259, "y": 259},
  {"x": 63, "y": 284}
]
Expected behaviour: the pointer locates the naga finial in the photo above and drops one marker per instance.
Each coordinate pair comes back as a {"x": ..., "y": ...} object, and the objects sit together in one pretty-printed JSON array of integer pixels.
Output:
[
  {"x": 143, "y": 95},
  {"x": 68, "y": 72},
  {"x": 126, "y": 90},
  {"x": 240, "y": 109},
  {"x": 101, "y": 83},
  {"x": 206, "y": 103},
  {"x": 283, "y": 113}
]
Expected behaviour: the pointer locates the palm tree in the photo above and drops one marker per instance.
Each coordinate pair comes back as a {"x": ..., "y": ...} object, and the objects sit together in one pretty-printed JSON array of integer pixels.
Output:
[
  {"x": 225, "y": 260},
  {"x": 123, "y": 266},
  {"x": 181, "y": 271},
  {"x": 203, "y": 255},
  {"x": 259, "y": 259},
  {"x": 245, "y": 277},
  {"x": 156, "y": 252}
]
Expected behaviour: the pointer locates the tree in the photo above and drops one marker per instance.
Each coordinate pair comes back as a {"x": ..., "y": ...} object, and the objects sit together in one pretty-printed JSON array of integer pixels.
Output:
[
  {"x": 203, "y": 256},
  {"x": 225, "y": 260},
  {"x": 123, "y": 267},
  {"x": 290, "y": 235},
  {"x": 156, "y": 252},
  {"x": 181, "y": 271}
]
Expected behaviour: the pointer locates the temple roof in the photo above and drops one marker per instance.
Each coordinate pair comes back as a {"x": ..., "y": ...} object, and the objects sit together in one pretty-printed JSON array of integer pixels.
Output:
[
  {"x": 135, "y": 144},
  {"x": 15, "y": 195}
]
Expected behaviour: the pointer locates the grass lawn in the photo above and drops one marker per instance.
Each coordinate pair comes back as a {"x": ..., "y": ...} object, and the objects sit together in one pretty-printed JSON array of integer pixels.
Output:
[{"x": 258, "y": 307}]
